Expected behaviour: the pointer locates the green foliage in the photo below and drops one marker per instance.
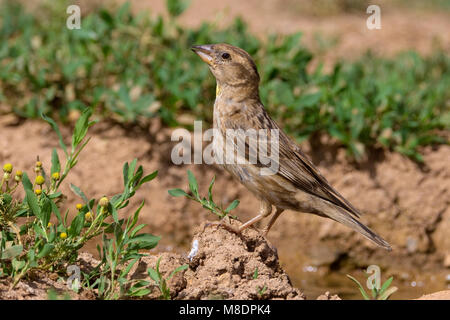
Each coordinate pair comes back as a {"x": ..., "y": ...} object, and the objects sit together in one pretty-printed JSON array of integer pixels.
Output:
[
  {"x": 132, "y": 67},
  {"x": 37, "y": 243},
  {"x": 377, "y": 294},
  {"x": 207, "y": 202},
  {"x": 160, "y": 281}
]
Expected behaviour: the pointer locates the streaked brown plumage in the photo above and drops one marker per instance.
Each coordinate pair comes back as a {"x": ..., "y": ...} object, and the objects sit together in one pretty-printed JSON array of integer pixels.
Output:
[{"x": 298, "y": 184}]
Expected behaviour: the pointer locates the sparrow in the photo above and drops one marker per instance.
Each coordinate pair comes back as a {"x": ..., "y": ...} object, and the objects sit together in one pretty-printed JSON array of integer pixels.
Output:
[{"x": 296, "y": 184}]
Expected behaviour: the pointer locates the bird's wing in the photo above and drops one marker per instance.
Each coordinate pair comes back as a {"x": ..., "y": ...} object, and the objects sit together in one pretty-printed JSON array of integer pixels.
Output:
[{"x": 293, "y": 165}]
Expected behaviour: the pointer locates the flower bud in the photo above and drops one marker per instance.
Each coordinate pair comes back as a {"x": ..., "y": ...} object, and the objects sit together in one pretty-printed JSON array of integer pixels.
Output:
[
  {"x": 7, "y": 168},
  {"x": 103, "y": 202},
  {"x": 79, "y": 206},
  {"x": 40, "y": 180},
  {"x": 63, "y": 235},
  {"x": 18, "y": 176},
  {"x": 55, "y": 176},
  {"x": 38, "y": 191},
  {"x": 88, "y": 216}
]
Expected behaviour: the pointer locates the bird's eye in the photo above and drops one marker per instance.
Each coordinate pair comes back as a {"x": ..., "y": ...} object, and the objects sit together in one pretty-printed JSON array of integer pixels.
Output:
[{"x": 226, "y": 56}]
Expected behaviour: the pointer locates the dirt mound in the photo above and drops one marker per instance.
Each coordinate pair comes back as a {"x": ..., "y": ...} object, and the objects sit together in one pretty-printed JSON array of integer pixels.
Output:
[
  {"x": 40, "y": 285},
  {"x": 441, "y": 295},
  {"x": 224, "y": 265}
]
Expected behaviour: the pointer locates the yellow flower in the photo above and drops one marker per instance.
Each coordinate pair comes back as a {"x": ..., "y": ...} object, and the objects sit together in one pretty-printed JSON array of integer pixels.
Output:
[
  {"x": 40, "y": 180},
  {"x": 18, "y": 176},
  {"x": 38, "y": 164},
  {"x": 63, "y": 235},
  {"x": 88, "y": 216},
  {"x": 103, "y": 202},
  {"x": 55, "y": 176},
  {"x": 38, "y": 191},
  {"x": 7, "y": 168},
  {"x": 79, "y": 206},
  {"x": 49, "y": 224}
]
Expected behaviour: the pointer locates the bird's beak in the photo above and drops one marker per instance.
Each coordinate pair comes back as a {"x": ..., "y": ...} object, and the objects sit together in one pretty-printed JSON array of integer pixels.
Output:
[{"x": 204, "y": 52}]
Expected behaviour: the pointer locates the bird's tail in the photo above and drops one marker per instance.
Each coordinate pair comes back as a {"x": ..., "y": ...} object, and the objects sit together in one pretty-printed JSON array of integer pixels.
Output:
[{"x": 340, "y": 215}]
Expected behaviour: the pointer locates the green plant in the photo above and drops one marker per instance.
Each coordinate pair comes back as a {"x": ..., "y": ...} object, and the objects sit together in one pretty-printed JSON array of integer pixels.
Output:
[
  {"x": 262, "y": 290},
  {"x": 383, "y": 293},
  {"x": 207, "y": 203},
  {"x": 139, "y": 288},
  {"x": 255, "y": 274},
  {"x": 40, "y": 244},
  {"x": 132, "y": 67},
  {"x": 119, "y": 253}
]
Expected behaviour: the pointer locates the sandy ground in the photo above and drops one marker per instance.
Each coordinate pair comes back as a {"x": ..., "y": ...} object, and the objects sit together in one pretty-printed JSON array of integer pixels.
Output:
[{"x": 405, "y": 203}]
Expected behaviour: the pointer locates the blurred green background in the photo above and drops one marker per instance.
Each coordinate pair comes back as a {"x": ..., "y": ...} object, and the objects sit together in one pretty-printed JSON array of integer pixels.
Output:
[{"x": 132, "y": 65}]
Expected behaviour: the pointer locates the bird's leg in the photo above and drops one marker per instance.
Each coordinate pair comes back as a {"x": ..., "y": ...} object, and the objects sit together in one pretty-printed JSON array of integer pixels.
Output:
[
  {"x": 272, "y": 221},
  {"x": 264, "y": 211}
]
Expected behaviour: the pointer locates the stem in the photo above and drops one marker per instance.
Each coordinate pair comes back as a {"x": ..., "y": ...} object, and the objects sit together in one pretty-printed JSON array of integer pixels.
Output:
[
  {"x": 16, "y": 230},
  {"x": 20, "y": 275}
]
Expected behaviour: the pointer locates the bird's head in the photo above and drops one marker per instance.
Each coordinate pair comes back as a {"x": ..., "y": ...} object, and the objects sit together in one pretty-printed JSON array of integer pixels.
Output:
[{"x": 230, "y": 65}]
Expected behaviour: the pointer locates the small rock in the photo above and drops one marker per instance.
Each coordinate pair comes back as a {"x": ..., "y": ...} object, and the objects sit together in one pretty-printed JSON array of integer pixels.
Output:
[{"x": 328, "y": 296}]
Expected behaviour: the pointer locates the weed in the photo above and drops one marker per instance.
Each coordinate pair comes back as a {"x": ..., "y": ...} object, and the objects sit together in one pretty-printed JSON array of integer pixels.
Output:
[
  {"x": 139, "y": 288},
  {"x": 41, "y": 244},
  {"x": 207, "y": 203},
  {"x": 382, "y": 293}
]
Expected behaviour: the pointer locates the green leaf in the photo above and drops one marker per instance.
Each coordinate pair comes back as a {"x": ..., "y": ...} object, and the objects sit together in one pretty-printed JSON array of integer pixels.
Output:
[
  {"x": 55, "y": 210},
  {"x": 48, "y": 247},
  {"x": 81, "y": 194},
  {"x": 154, "y": 275},
  {"x": 114, "y": 212},
  {"x": 210, "y": 197},
  {"x": 56, "y": 166},
  {"x": 33, "y": 203},
  {"x": 27, "y": 185},
  {"x": 11, "y": 252},
  {"x": 386, "y": 285},
  {"x": 127, "y": 269},
  {"x": 193, "y": 185},
  {"x": 255, "y": 274},
  {"x": 144, "y": 241},
  {"x": 125, "y": 174},
  {"x": 136, "y": 216},
  {"x": 361, "y": 289},
  {"x": 139, "y": 292},
  {"x": 77, "y": 225},
  {"x": 176, "y": 7},
  {"x": 131, "y": 169},
  {"x": 56, "y": 129},
  {"x": 46, "y": 211},
  {"x": 17, "y": 264},
  {"x": 232, "y": 206},
  {"x": 81, "y": 127},
  {"x": 177, "y": 193},
  {"x": 148, "y": 178},
  {"x": 180, "y": 268}
]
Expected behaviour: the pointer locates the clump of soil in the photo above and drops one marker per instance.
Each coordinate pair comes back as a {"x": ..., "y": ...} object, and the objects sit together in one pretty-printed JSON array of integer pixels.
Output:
[
  {"x": 38, "y": 285},
  {"x": 224, "y": 265},
  {"x": 407, "y": 204}
]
